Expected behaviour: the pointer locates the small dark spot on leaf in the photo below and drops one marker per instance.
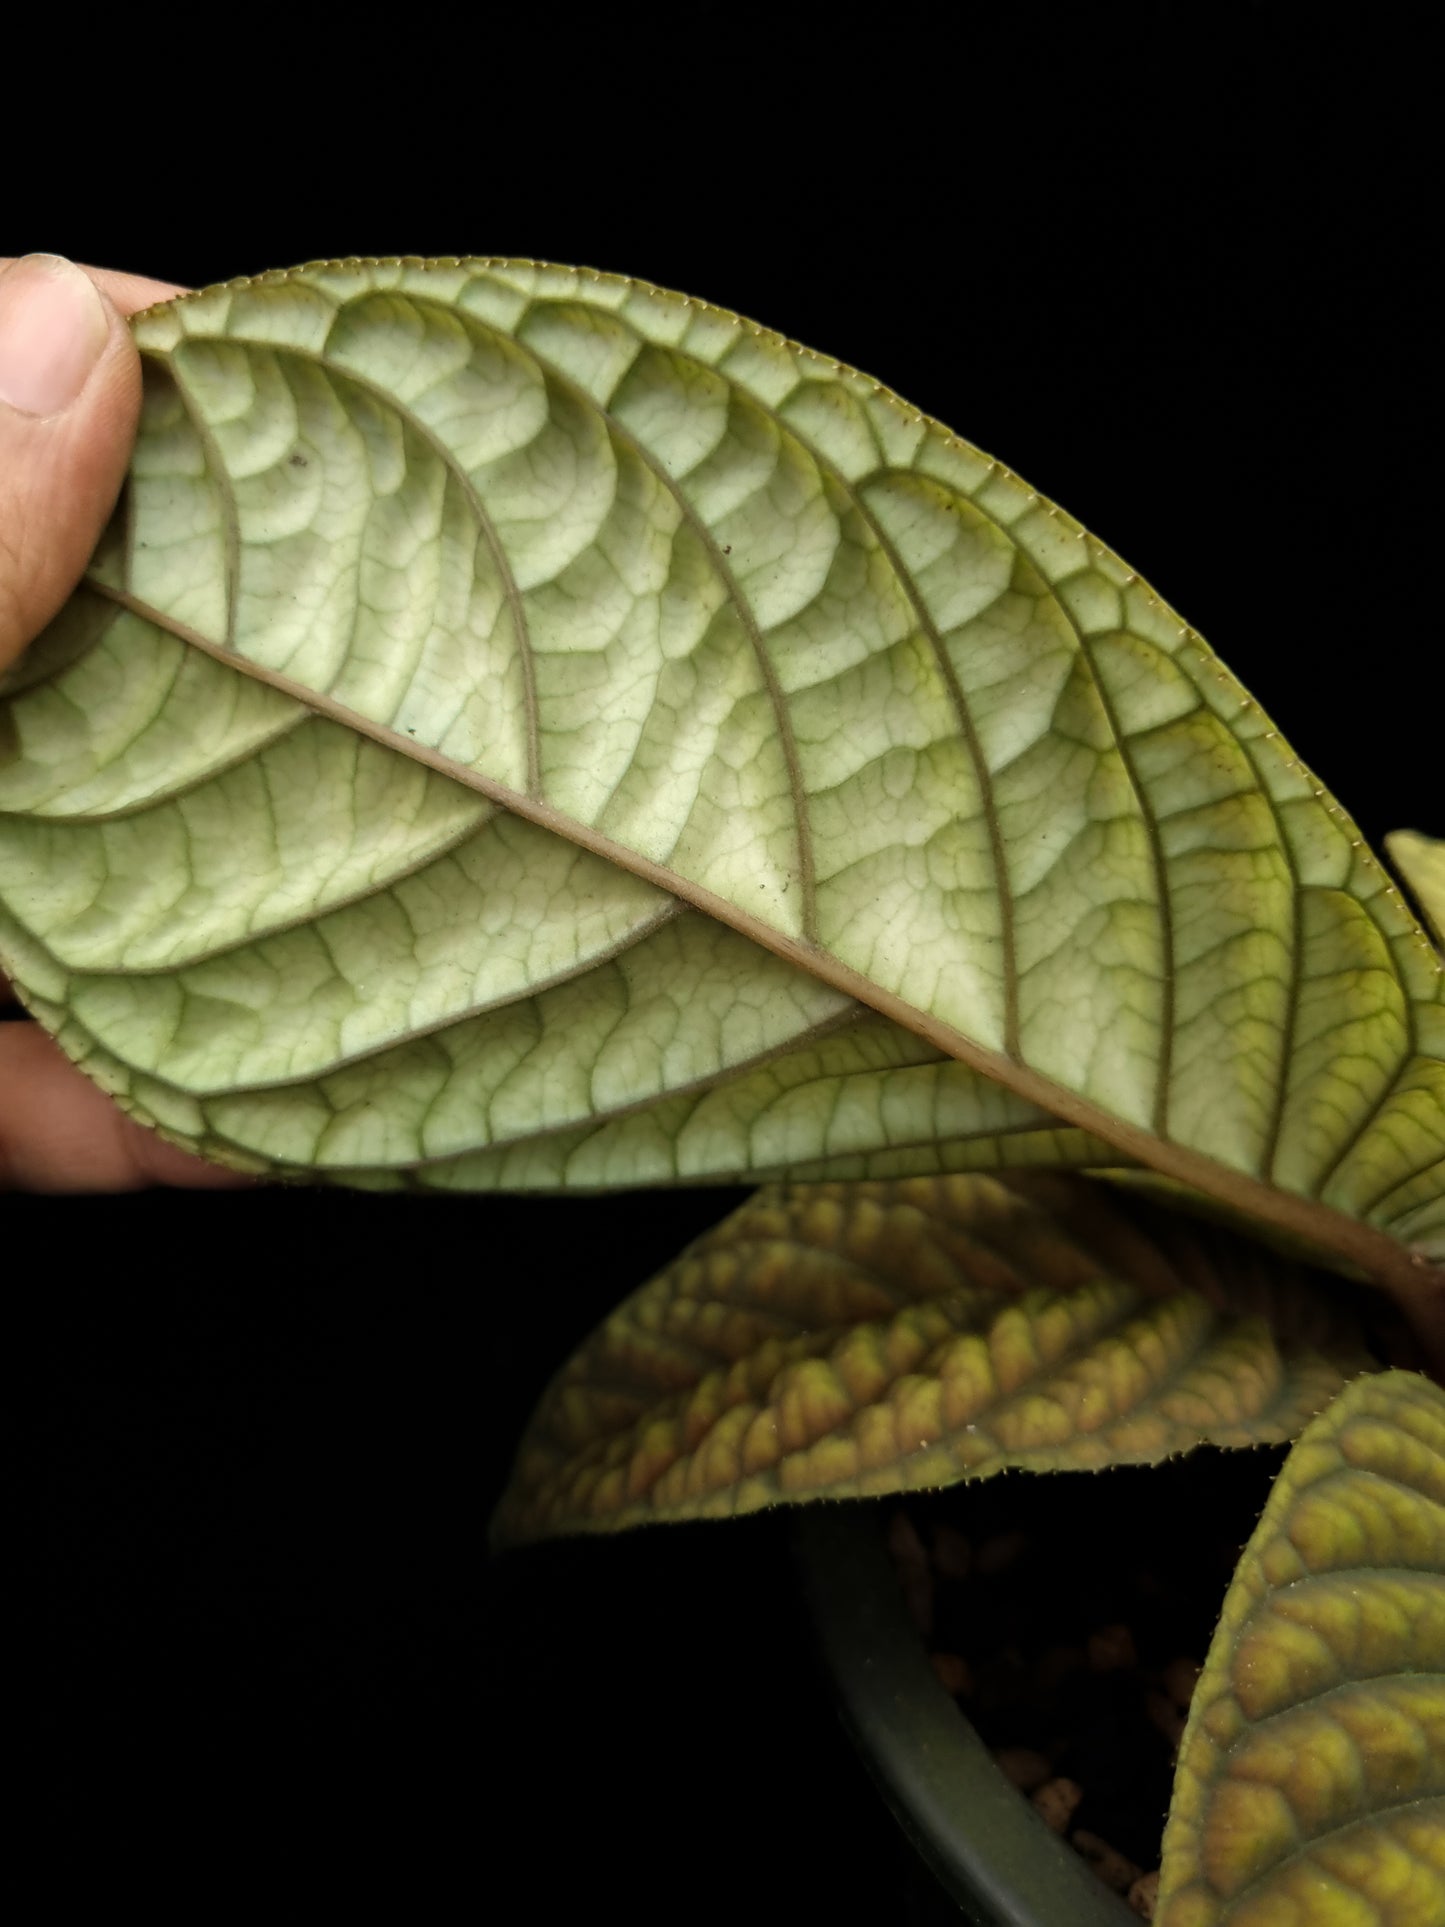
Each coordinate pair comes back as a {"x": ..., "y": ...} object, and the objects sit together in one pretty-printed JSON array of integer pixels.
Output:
[
  {"x": 727, "y": 548},
  {"x": 298, "y": 460}
]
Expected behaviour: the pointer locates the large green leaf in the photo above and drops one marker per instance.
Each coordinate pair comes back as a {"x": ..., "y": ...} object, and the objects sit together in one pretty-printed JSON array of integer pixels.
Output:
[
  {"x": 525, "y": 728},
  {"x": 831, "y": 1341},
  {"x": 1311, "y": 1781}
]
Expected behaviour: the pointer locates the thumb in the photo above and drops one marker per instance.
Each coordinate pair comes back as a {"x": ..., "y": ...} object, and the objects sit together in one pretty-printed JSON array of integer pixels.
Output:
[{"x": 69, "y": 403}]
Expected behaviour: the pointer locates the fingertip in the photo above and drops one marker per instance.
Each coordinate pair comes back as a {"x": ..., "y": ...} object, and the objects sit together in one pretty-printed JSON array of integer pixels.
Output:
[
  {"x": 70, "y": 391},
  {"x": 54, "y": 326}
]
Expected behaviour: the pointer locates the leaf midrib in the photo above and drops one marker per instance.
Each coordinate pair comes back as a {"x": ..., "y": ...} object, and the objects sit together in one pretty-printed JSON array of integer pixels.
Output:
[{"x": 1409, "y": 1276}]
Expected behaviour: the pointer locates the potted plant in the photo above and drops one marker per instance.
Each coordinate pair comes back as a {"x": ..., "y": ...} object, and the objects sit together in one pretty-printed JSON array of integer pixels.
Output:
[
  {"x": 801, "y": 1343},
  {"x": 992, "y": 1856},
  {"x": 732, "y": 774}
]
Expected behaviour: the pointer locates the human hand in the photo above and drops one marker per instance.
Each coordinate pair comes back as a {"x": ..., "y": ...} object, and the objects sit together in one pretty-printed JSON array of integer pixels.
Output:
[{"x": 69, "y": 402}]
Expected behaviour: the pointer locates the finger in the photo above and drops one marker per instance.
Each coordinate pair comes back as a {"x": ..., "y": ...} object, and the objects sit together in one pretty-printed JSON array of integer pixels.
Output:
[
  {"x": 128, "y": 293},
  {"x": 61, "y": 465},
  {"x": 69, "y": 401},
  {"x": 60, "y": 1132}
]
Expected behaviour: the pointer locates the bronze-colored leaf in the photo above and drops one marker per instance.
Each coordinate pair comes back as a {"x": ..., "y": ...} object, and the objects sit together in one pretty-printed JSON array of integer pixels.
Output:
[
  {"x": 830, "y": 1341},
  {"x": 1311, "y": 1783},
  {"x": 1421, "y": 862}
]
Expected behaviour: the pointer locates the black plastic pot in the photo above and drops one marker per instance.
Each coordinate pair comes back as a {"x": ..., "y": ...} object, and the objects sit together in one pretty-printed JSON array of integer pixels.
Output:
[{"x": 993, "y": 1860}]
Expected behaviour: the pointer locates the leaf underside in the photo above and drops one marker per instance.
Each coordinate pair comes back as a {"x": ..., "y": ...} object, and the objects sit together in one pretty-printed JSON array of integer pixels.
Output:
[
  {"x": 525, "y": 729},
  {"x": 837, "y": 1341},
  {"x": 1311, "y": 1778}
]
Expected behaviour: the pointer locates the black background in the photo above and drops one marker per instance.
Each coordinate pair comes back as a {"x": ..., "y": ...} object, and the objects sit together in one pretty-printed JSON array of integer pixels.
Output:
[{"x": 1168, "y": 264}]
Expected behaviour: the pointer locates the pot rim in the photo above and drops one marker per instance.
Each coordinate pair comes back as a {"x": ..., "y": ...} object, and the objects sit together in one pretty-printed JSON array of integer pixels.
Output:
[{"x": 984, "y": 1842}]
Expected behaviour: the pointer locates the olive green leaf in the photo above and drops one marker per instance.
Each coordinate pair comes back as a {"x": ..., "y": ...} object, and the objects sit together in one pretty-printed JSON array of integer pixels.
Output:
[
  {"x": 1421, "y": 862},
  {"x": 528, "y": 729},
  {"x": 1311, "y": 1779},
  {"x": 831, "y": 1341}
]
